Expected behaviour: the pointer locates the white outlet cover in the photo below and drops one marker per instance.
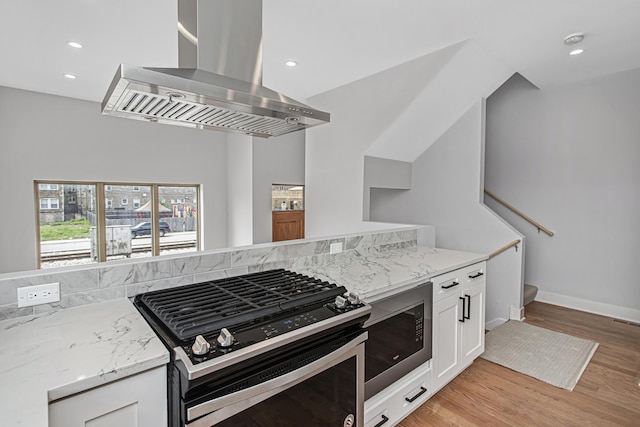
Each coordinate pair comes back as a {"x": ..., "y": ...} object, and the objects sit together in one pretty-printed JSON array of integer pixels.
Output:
[
  {"x": 49, "y": 292},
  {"x": 335, "y": 248}
]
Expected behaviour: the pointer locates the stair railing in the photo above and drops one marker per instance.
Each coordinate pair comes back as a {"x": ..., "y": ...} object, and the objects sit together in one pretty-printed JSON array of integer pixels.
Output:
[
  {"x": 519, "y": 213},
  {"x": 505, "y": 247}
]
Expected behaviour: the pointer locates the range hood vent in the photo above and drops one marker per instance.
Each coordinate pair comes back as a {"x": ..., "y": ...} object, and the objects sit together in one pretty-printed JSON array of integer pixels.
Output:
[{"x": 199, "y": 98}]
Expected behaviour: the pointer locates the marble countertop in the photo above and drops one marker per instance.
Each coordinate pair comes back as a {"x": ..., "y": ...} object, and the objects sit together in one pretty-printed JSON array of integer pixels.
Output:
[
  {"x": 52, "y": 356},
  {"x": 378, "y": 274}
]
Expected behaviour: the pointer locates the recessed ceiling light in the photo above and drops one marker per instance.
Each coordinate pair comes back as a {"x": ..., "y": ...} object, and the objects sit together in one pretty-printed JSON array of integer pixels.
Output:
[
  {"x": 71, "y": 76},
  {"x": 574, "y": 38},
  {"x": 291, "y": 63},
  {"x": 75, "y": 45},
  {"x": 576, "y": 52}
]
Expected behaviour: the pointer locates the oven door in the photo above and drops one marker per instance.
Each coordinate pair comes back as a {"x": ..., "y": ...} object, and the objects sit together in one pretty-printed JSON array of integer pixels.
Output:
[{"x": 326, "y": 392}]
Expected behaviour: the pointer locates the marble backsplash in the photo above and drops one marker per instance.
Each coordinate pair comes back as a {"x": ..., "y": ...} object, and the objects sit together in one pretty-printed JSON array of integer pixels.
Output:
[{"x": 126, "y": 278}]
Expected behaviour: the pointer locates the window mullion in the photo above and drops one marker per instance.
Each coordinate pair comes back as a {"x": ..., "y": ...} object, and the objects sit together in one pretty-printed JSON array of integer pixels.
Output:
[
  {"x": 101, "y": 222},
  {"x": 155, "y": 221}
]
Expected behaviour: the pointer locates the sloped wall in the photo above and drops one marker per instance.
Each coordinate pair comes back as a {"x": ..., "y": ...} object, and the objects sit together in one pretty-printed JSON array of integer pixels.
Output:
[{"x": 446, "y": 192}]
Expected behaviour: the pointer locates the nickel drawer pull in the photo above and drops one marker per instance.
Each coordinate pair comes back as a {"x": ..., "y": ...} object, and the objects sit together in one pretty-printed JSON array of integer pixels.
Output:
[
  {"x": 480, "y": 273},
  {"x": 420, "y": 393},
  {"x": 384, "y": 420},
  {"x": 454, "y": 283},
  {"x": 468, "y": 315}
]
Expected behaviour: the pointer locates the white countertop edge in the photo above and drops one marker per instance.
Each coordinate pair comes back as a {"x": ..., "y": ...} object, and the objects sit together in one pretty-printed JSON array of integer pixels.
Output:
[
  {"x": 78, "y": 386},
  {"x": 408, "y": 284}
]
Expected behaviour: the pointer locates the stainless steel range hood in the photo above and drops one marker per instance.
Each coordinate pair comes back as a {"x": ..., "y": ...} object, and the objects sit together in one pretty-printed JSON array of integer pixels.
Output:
[{"x": 218, "y": 85}]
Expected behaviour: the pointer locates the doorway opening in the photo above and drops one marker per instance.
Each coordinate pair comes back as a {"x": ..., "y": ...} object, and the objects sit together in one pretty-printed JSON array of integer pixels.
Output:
[{"x": 287, "y": 212}]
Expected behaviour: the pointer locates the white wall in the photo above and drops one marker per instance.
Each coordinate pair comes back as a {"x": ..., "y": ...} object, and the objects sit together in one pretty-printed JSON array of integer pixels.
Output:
[
  {"x": 395, "y": 114},
  {"x": 45, "y": 137},
  {"x": 446, "y": 192},
  {"x": 239, "y": 189},
  {"x": 569, "y": 157},
  {"x": 383, "y": 173},
  {"x": 275, "y": 161}
]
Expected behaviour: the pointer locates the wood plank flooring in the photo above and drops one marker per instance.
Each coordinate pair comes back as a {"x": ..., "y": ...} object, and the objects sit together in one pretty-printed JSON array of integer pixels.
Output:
[{"x": 608, "y": 393}]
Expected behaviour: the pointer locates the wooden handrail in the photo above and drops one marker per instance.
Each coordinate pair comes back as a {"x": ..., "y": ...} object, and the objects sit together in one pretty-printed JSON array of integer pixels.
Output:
[
  {"x": 516, "y": 211},
  {"x": 504, "y": 248}
]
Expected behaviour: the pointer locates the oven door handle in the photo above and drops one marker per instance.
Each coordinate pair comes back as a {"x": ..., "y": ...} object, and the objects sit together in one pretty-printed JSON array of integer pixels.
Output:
[{"x": 223, "y": 407}]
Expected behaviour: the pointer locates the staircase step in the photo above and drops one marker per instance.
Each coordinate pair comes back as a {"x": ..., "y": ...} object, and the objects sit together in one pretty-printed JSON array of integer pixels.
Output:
[{"x": 530, "y": 293}]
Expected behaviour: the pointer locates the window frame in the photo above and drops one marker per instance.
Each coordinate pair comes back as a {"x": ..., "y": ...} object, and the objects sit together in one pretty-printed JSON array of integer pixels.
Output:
[
  {"x": 101, "y": 203},
  {"x": 49, "y": 204}
]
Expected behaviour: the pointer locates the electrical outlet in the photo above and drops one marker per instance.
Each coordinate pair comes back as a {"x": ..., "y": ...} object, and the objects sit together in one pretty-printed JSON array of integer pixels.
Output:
[
  {"x": 335, "y": 248},
  {"x": 38, "y": 294}
]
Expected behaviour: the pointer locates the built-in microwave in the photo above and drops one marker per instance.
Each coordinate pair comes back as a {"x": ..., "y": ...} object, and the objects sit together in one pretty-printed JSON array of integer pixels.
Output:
[{"x": 399, "y": 336}]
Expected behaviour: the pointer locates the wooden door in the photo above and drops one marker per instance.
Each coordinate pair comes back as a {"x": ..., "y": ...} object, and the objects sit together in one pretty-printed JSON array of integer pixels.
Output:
[{"x": 287, "y": 225}]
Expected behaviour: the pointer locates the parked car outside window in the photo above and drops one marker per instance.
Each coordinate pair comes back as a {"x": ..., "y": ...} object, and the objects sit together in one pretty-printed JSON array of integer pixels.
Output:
[{"x": 144, "y": 229}]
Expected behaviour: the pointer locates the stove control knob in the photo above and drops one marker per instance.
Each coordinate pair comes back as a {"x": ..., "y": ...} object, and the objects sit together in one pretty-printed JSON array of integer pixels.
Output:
[
  {"x": 225, "y": 339},
  {"x": 353, "y": 298},
  {"x": 201, "y": 346},
  {"x": 341, "y": 301}
]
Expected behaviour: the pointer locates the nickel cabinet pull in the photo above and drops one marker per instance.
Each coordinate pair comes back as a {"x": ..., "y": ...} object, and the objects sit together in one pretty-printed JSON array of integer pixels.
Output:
[
  {"x": 454, "y": 283},
  {"x": 384, "y": 420},
  {"x": 468, "y": 315},
  {"x": 420, "y": 393}
]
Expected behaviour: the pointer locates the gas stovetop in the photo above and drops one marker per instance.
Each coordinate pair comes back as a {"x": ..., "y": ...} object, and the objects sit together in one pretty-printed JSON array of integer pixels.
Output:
[{"x": 227, "y": 317}]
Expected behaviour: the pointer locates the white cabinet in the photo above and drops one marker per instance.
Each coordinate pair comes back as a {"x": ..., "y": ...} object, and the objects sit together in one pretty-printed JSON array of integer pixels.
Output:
[
  {"x": 458, "y": 321},
  {"x": 136, "y": 401},
  {"x": 395, "y": 402}
]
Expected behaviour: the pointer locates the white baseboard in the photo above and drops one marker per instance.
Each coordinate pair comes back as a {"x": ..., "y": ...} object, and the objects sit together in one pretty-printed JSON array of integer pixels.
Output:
[
  {"x": 603, "y": 309},
  {"x": 493, "y": 323},
  {"x": 516, "y": 313}
]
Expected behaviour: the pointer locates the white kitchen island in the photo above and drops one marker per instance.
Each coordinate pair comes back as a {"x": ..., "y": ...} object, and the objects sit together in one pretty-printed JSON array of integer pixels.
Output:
[{"x": 60, "y": 355}]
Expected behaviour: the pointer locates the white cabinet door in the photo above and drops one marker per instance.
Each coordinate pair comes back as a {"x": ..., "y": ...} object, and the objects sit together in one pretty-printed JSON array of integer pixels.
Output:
[
  {"x": 472, "y": 329},
  {"x": 136, "y": 401},
  {"x": 458, "y": 321},
  {"x": 446, "y": 339}
]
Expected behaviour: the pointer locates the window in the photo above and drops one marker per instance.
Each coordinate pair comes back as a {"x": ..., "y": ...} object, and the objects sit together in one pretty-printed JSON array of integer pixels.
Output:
[
  {"x": 49, "y": 204},
  {"x": 287, "y": 197},
  {"x": 48, "y": 186},
  {"x": 123, "y": 226}
]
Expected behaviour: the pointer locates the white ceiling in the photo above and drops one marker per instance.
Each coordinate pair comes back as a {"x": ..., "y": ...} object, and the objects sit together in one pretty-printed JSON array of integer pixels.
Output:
[{"x": 333, "y": 41}]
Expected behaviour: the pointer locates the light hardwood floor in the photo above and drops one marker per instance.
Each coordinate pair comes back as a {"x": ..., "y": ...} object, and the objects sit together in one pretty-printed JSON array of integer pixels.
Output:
[{"x": 608, "y": 393}]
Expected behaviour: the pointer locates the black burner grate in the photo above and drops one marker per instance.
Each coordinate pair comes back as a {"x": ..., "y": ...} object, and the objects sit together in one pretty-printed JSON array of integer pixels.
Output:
[{"x": 207, "y": 307}]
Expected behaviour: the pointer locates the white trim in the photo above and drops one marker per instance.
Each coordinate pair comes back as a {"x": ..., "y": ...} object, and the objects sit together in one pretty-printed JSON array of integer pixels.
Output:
[
  {"x": 609, "y": 310},
  {"x": 516, "y": 313},
  {"x": 493, "y": 323}
]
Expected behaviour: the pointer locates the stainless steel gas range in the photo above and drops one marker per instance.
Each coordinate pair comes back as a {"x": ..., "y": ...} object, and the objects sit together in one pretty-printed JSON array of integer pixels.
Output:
[{"x": 272, "y": 348}]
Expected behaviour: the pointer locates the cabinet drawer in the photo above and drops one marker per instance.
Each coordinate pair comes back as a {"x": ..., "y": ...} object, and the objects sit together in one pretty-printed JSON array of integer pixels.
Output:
[
  {"x": 397, "y": 401},
  {"x": 453, "y": 281}
]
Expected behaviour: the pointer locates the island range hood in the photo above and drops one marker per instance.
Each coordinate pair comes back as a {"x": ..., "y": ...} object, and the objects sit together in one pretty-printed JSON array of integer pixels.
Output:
[{"x": 218, "y": 84}]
